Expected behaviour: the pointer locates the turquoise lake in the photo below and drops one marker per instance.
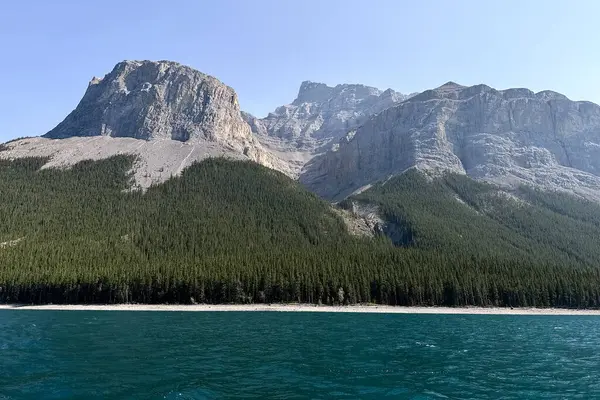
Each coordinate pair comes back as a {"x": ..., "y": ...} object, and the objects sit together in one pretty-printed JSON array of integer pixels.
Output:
[{"x": 255, "y": 355}]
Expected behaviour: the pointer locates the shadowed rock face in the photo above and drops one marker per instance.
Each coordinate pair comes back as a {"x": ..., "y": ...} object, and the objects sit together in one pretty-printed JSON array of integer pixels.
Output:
[
  {"x": 508, "y": 137},
  {"x": 156, "y": 100}
]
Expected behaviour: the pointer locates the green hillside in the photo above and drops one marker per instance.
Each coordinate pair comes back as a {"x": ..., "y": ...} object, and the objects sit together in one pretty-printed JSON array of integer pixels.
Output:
[
  {"x": 456, "y": 214},
  {"x": 231, "y": 231}
]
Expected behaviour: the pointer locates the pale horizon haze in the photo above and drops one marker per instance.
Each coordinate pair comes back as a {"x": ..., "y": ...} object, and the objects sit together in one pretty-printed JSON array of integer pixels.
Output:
[{"x": 264, "y": 49}]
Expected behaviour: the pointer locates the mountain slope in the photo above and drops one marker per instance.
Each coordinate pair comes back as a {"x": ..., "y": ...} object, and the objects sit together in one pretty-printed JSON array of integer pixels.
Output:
[
  {"x": 321, "y": 112},
  {"x": 455, "y": 214},
  {"x": 509, "y": 137},
  {"x": 229, "y": 231},
  {"x": 80, "y": 227}
]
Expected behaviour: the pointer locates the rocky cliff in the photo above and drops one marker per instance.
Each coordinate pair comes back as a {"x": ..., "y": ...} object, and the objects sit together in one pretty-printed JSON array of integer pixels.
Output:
[
  {"x": 323, "y": 112},
  {"x": 508, "y": 137},
  {"x": 156, "y": 100}
]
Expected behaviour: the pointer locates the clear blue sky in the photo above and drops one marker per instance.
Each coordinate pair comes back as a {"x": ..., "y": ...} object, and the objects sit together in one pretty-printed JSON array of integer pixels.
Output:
[{"x": 49, "y": 50}]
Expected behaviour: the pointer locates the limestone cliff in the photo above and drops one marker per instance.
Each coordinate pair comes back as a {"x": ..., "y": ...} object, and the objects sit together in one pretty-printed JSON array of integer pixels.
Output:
[
  {"x": 509, "y": 137},
  {"x": 156, "y": 100},
  {"x": 336, "y": 140}
]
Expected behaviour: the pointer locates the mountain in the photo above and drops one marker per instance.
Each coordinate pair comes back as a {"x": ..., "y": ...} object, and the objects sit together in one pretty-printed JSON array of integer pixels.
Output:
[
  {"x": 336, "y": 140},
  {"x": 319, "y": 115},
  {"x": 507, "y": 137},
  {"x": 167, "y": 114},
  {"x": 156, "y": 100},
  {"x": 321, "y": 112},
  {"x": 454, "y": 196},
  {"x": 453, "y": 213}
]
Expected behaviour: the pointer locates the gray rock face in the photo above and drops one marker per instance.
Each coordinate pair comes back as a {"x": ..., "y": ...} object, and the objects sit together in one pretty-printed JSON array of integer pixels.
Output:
[
  {"x": 508, "y": 137},
  {"x": 321, "y": 112},
  {"x": 156, "y": 100},
  {"x": 319, "y": 116},
  {"x": 166, "y": 114}
]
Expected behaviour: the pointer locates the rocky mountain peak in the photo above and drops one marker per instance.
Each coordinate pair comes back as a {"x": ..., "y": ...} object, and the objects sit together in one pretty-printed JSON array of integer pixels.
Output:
[
  {"x": 313, "y": 92},
  {"x": 94, "y": 81},
  {"x": 450, "y": 85},
  {"x": 322, "y": 113},
  {"x": 156, "y": 100}
]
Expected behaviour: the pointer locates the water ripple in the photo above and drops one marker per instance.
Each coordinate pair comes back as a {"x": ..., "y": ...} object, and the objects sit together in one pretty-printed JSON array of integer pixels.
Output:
[{"x": 155, "y": 355}]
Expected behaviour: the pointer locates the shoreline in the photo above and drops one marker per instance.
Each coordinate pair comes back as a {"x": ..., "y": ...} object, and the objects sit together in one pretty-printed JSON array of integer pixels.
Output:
[{"x": 373, "y": 309}]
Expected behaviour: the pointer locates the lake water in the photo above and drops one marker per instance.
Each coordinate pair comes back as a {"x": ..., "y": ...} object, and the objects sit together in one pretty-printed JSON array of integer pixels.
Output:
[{"x": 188, "y": 355}]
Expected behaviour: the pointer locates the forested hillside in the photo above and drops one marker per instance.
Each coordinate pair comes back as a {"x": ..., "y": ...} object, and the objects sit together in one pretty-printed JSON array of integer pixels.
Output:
[
  {"x": 455, "y": 214},
  {"x": 229, "y": 231}
]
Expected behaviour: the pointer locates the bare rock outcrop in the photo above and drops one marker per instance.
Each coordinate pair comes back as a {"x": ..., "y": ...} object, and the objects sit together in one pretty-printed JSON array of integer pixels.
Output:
[
  {"x": 156, "y": 100},
  {"x": 336, "y": 140}
]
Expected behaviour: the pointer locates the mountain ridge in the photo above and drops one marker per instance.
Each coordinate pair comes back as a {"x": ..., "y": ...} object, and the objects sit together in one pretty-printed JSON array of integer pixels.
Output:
[
  {"x": 335, "y": 139},
  {"x": 318, "y": 116},
  {"x": 508, "y": 137}
]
